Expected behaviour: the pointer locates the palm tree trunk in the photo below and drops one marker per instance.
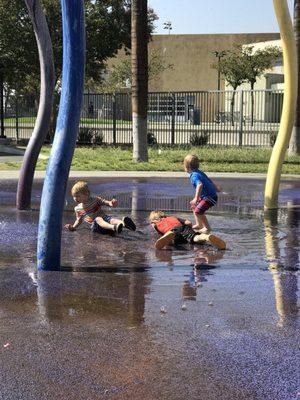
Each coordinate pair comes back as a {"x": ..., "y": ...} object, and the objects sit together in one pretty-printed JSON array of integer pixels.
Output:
[
  {"x": 294, "y": 145},
  {"x": 139, "y": 69}
]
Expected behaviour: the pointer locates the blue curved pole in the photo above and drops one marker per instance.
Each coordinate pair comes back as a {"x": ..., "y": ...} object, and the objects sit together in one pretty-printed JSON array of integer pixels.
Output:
[{"x": 54, "y": 189}]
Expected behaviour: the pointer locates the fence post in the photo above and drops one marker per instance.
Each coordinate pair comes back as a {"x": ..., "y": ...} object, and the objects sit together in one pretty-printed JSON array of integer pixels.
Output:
[
  {"x": 17, "y": 119},
  {"x": 173, "y": 119},
  {"x": 2, "y": 135},
  {"x": 114, "y": 105},
  {"x": 241, "y": 118}
]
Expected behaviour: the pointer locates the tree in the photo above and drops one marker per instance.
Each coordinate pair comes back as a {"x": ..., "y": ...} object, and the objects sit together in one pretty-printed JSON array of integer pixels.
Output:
[
  {"x": 16, "y": 49},
  {"x": 107, "y": 30},
  {"x": 243, "y": 64},
  {"x": 231, "y": 67},
  {"x": 256, "y": 63},
  {"x": 139, "y": 87},
  {"x": 294, "y": 146},
  {"x": 120, "y": 75}
]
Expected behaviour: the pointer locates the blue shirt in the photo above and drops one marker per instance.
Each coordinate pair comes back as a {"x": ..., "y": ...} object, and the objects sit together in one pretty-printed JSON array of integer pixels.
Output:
[{"x": 208, "y": 189}]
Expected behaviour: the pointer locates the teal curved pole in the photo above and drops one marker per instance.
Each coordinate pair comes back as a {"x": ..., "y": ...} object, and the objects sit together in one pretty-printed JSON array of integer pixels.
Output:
[
  {"x": 41, "y": 126},
  {"x": 54, "y": 189}
]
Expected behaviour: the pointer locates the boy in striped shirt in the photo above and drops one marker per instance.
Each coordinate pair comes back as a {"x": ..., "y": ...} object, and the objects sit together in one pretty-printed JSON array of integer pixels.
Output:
[{"x": 89, "y": 209}]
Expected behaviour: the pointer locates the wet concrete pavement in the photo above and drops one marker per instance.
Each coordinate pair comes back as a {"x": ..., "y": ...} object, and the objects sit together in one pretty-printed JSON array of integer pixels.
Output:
[{"x": 230, "y": 326}]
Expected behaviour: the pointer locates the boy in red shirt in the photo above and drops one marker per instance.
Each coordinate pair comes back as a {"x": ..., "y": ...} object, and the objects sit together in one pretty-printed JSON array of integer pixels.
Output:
[{"x": 178, "y": 231}]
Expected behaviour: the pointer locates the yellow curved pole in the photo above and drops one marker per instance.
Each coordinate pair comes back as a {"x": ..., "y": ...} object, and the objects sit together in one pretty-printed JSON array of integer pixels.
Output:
[{"x": 289, "y": 103}]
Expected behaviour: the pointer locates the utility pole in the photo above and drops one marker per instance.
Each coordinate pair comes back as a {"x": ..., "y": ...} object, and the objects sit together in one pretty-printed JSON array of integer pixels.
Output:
[
  {"x": 168, "y": 25},
  {"x": 219, "y": 55}
]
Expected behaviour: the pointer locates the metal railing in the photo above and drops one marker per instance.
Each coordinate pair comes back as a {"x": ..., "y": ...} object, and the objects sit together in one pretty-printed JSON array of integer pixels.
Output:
[{"x": 241, "y": 118}]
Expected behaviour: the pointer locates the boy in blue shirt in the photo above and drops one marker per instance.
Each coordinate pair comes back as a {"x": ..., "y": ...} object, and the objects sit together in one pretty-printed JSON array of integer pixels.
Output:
[{"x": 205, "y": 193}]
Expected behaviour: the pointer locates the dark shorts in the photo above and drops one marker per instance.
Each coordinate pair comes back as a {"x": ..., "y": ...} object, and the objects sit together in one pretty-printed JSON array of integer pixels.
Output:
[
  {"x": 183, "y": 234},
  {"x": 95, "y": 227},
  {"x": 203, "y": 205}
]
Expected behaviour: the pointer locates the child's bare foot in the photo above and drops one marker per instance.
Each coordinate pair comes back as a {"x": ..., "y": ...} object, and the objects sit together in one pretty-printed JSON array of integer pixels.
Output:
[
  {"x": 196, "y": 227},
  {"x": 201, "y": 229},
  {"x": 204, "y": 230}
]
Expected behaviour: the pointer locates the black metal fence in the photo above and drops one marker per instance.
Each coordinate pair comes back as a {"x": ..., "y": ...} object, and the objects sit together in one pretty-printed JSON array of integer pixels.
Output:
[{"x": 241, "y": 118}]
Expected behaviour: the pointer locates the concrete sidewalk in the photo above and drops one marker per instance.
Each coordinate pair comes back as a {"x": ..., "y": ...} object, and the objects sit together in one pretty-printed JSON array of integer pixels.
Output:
[{"x": 14, "y": 175}]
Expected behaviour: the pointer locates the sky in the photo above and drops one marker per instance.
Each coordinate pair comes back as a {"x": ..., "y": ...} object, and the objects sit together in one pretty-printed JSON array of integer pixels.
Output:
[{"x": 216, "y": 16}]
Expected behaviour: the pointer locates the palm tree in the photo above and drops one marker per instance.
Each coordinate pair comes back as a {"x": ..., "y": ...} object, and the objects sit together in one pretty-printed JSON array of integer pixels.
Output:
[
  {"x": 294, "y": 146},
  {"x": 139, "y": 69}
]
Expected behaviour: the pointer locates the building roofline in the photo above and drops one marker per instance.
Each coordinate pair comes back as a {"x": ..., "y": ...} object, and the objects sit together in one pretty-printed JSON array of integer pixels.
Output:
[{"x": 215, "y": 34}]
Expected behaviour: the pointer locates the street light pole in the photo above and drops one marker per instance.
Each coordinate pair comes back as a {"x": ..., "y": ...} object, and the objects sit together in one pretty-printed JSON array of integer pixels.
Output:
[
  {"x": 2, "y": 136},
  {"x": 168, "y": 25},
  {"x": 219, "y": 55}
]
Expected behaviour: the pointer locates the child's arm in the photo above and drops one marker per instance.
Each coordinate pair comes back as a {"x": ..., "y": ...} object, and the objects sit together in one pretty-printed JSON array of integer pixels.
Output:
[
  {"x": 197, "y": 192},
  {"x": 73, "y": 227},
  {"x": 185, "y": 221},
  {"x": 110, "y": 203},
  {"x": 153, "y": 224}
]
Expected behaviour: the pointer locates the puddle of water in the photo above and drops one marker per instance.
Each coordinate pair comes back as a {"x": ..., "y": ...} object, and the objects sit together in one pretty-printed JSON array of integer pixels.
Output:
[{"x": 233, "y": 315}]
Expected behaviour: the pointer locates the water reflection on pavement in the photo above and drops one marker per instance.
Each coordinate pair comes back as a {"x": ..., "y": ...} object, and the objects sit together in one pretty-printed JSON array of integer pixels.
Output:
[{"x": 230, "y": 326}]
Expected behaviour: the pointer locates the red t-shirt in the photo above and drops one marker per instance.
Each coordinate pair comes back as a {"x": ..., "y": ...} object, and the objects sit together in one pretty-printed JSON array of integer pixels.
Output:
[{"x": 165, "y": 224}]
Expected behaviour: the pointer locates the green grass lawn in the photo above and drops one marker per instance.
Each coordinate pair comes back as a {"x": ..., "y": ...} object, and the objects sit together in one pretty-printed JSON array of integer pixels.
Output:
[
  {"x": 84, "y": 121},
  {"x": 217, "y": 159},
  {"x": 25, "y": 120}
]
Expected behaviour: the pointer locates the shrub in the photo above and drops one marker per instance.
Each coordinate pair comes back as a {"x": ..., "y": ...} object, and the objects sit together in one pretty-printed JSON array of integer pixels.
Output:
[
  {"x": 151, "y": 139},
  {"x": 98, "y": 138},
  {"x": 272, "y": 138},
  {"x": 199, "y": 138},
  {"x": 89, "y": 136}
]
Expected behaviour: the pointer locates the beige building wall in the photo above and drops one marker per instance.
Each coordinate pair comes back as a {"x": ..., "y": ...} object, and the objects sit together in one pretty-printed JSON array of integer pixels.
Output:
[{"x": 192, "y": 57}]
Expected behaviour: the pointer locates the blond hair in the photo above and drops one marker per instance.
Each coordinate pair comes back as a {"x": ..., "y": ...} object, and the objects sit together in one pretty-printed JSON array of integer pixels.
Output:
[
  {"x": 80, "y": 187},
  {"x": 154, "y": 215},
  {"x": 191, "y": 162}
]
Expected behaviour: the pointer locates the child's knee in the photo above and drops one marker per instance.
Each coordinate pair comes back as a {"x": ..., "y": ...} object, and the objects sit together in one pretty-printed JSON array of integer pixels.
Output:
[
  {"x": 104, "y": 224},
  {"x": 99, "y": 220}
]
